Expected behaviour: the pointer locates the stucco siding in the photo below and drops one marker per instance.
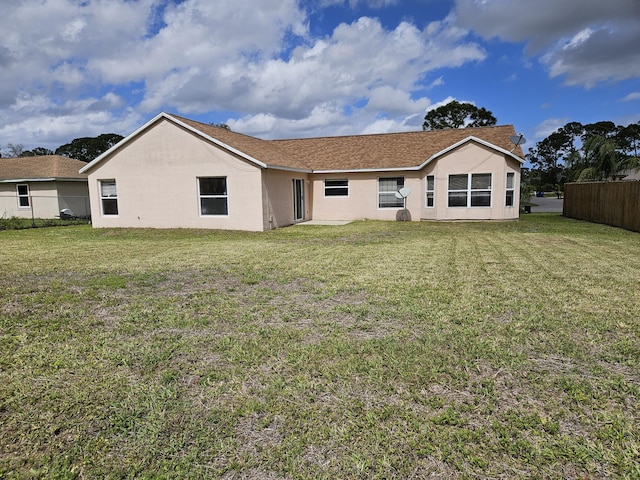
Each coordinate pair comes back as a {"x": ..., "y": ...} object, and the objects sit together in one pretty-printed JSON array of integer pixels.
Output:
[
  {"x": 279, "y": 197},
  {"x": 43, "y": 199},
  {"x": 75, "y": 197},
  {"x": 157, "y": 183},
  {"x": 469, "y": 159},
  {"x": 362, "y": 199}
]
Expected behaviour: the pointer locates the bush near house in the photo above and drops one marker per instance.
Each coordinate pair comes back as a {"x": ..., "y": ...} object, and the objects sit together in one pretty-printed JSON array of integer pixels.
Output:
[{"x": 371, "y": 350}]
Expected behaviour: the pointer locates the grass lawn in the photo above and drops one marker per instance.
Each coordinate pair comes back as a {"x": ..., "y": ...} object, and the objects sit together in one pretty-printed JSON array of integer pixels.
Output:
[{"x": 371, "y": 350}]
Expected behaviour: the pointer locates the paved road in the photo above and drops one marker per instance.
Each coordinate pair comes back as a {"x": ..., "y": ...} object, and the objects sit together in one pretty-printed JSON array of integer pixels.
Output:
[{"x": 546, "y": 204}]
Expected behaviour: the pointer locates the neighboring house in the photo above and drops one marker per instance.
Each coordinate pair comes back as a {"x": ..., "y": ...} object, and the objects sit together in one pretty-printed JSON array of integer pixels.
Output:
[
  {"x": 42, "y": 186},
  {"x": 175, "y": 172},
  {"x": 631, "y": 174}
]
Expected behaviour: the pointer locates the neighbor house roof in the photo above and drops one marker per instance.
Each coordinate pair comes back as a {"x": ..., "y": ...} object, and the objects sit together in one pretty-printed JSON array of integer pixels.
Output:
[
  {"x": 40, "y": 168},
  {"x": 386, "y": 151}
]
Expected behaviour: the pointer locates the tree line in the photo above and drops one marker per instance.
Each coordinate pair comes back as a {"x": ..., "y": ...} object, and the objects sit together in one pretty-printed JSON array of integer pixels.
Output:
[
  {"x": 84, "y": 148},
  {"x": 577, "y": 152}
]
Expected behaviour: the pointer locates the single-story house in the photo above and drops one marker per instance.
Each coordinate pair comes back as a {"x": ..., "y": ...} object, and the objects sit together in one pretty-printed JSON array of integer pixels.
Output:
[
  {"x": 175, "y": 172},
  {"x": 42, "y": 186}
]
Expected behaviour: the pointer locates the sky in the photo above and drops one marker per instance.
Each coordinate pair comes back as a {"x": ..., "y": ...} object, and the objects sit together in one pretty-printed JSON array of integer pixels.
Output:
[{"x": 308, "y": 68}]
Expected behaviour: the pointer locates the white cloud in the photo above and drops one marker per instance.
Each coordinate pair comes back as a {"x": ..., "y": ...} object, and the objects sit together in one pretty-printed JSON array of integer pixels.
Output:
[
  {"x": 60, "y": 59},
  {"x": 584, "y": 41},
  {"x": 632, "y": 96},
  {"x": 356, "y": 3},
  {"x": 547, "y": 127}
]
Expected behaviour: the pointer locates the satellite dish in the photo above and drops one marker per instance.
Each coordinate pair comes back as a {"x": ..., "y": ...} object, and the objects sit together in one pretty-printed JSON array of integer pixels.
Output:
[
  {"x": 518, "y": 139},
  {"x": 403, "y": 192}
]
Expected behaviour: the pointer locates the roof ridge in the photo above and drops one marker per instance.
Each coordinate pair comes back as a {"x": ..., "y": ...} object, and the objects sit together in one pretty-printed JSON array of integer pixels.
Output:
[{"x": 410, "y": 132}]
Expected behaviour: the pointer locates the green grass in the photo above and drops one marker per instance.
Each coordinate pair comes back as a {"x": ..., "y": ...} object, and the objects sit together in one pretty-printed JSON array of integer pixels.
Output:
[
  {"x": 17, "y": 223},
  {"x": 371, "y": 350}
]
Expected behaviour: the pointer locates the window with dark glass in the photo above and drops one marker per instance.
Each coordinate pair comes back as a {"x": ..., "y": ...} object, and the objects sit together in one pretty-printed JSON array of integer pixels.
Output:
[
  {"x": 470, "y": 190},
  {"x": 23, "y": 196},
  {"x": 431, "y": 185},
  {"x": 108, "y": 197},
  {"x": 510, "y": 189},
  {"x": 336, "y": 187},
  {"x": 213, "y": 195}
]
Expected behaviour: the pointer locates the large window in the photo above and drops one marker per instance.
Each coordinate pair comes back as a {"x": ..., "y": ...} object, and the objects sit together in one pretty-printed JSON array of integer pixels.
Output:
[
  {"x": 213, "y": 195},
  {"x": 23, "y": 196},
  {"x": 431, "y": 186},
  {"x": 336, "y": 188},
  {"x": 510, "y": 189},
  {"x": 387, "y": 188},
  {"x": 108, "y": 197},
  {"x": 470, "y": 190}
]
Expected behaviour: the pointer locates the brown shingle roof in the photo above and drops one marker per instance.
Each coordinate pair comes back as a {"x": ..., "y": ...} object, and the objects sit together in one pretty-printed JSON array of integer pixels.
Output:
[
  {"x": 265, "y": 151},
  {"x": 40, "y": 167},
  {"x": 356, "y": 152},
  {"x": 389, "y": 150}
]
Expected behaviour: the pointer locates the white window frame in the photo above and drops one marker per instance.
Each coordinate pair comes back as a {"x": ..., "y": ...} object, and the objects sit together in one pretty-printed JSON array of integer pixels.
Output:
[
  {"x": 511, "y": 190},
  {"x": 469, "y": 190},
  {"x": 23, "y": 196},
  {"x": 431, "y": 191},
  {"x": 333, "y": 188},
  {"x": 114, "y": 196},
  {"x": 399, "y": 201},
  {"x": 205, "y": 196}
]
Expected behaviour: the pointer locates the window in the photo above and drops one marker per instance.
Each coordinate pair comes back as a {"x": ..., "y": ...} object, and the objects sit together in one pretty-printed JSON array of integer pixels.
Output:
[
  {"x": 336, "y": 188},
  {"x": 213, "y": 195},
  {"x": 387, "y": 188},
  {"x": 430, "y": 190},
  {"x": 470, "y": 190},
  {"x": 108, "y": 197},
  {"x": 510, "y": 189},
  {"x": 23, "y": 196}
]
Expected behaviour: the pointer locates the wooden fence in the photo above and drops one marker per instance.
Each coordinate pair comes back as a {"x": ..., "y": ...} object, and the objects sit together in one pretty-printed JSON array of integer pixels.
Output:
[{"x": 611, "y": 203}]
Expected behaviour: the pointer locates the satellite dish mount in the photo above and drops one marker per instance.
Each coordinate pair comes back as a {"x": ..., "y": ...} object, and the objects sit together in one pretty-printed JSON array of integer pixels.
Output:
[{"x": 403, "y": 193}]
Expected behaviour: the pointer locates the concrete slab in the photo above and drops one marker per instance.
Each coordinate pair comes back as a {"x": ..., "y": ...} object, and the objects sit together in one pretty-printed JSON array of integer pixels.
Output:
[{"x": 325, "y": 222}]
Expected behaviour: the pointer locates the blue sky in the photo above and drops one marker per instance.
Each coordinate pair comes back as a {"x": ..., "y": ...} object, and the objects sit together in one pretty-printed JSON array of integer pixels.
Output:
[{"x": 299, "y": 68}]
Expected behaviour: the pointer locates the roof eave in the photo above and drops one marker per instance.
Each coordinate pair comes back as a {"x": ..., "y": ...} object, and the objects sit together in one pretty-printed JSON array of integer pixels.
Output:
[
  {"x": 43, "y": 179},
  {"x": 368, "y": 170}
]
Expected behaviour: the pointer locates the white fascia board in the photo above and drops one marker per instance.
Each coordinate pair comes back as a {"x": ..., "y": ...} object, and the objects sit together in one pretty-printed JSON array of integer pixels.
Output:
[
  {"x": 166, "y": 116},
  {"x": 23, "y": 180},
  {"x": 289, "y": 169},
  {"x": 122, "y": 142},
  {"x": 217, "y": 142},
  {"x": 369, "y": 170},
  {"x": 466, "y": 140}
]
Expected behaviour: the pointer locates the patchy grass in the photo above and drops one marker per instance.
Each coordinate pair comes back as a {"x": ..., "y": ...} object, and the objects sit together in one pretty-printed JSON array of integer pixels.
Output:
[{"x": 371, "y": 350}]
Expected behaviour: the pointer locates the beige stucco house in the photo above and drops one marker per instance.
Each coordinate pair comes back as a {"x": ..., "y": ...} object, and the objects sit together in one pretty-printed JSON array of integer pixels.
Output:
[
  {"x": 42, "y": 186},
  {"x": 175, "y": 172}
]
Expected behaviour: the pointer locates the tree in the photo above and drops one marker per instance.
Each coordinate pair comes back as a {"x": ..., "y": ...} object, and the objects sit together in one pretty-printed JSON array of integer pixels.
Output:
[
  {"x": 598, "y": 159},
  {"x": 88, "y": 148},
  {"x": 224, "y": 126},
  {"x": 550, "y": 156},
  {"x": 36, "y": 152},
  {"x": 15, "y": 149},
  {"x": 458, "y": 115},
  {"x": 628, "y": 139}
]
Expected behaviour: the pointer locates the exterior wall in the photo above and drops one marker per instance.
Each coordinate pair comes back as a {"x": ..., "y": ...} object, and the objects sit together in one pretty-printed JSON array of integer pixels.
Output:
[
  {"x": 472, "y": 158},
  {"x": 75, "y": 197},
  {"x": 157, "y": 183},
  {"x": 362, "y": 201},
  {"x": 43, "y": 199},
  {"x": 278, "y": 197}
]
